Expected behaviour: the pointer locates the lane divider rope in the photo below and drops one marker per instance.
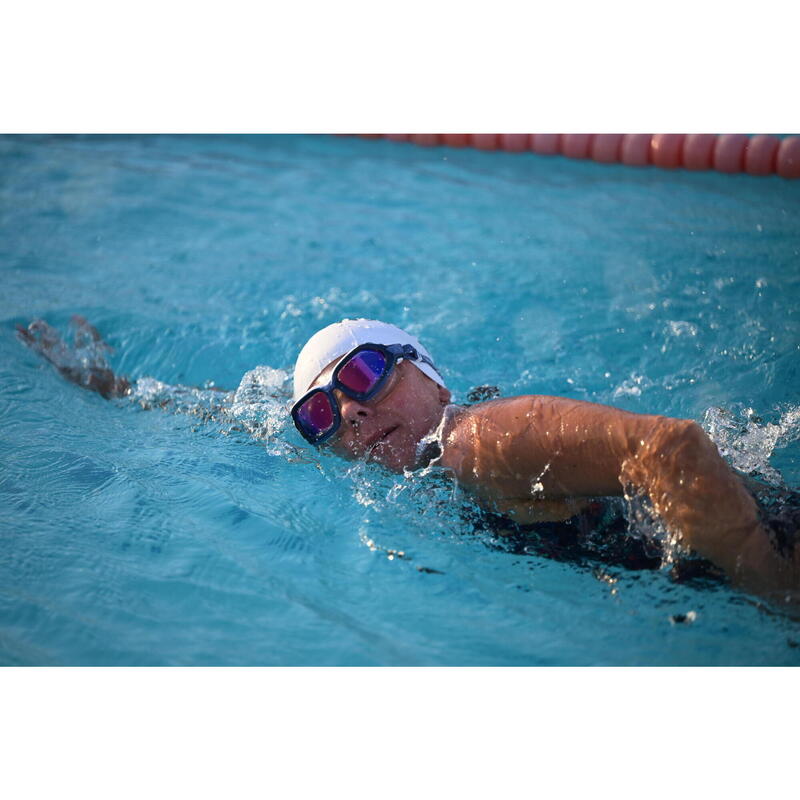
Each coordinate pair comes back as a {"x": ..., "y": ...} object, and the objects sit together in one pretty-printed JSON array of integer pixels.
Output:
[{"x": 762, "y": 154}]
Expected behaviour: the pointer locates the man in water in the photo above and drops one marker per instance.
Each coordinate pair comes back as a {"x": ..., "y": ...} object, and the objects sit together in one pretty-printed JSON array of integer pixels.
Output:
[{"x": 368, "y": 390}]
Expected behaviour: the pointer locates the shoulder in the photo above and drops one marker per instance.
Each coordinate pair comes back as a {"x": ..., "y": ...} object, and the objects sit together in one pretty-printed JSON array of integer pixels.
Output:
[
  {"x": 462, "y": 422},
  {"x": 470, "y": 432},
  {"x": 505, "y": 414}
]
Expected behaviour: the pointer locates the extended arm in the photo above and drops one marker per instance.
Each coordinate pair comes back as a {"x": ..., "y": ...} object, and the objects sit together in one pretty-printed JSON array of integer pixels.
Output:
[
  {"x": 84, "y": 363},
  {"x": 253, "y": 407}
]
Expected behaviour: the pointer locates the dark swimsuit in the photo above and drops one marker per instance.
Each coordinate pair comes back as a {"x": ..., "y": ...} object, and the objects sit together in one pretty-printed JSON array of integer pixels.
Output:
[
  {"x": 599, "y": 535},
  {"x": 779, "y": 510}
]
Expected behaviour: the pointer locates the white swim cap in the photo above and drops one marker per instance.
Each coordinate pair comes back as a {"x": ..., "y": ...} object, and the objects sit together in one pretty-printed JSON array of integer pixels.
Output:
[{"x": 342, "y": 337}]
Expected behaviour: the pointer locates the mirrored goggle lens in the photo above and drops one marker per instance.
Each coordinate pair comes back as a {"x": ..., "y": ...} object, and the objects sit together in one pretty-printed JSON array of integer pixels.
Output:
[
  {"x": 316, "y": 415},
  {"x": 363, "y": 371}
]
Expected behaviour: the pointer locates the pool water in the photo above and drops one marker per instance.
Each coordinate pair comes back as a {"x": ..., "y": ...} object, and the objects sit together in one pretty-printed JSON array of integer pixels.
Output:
[{"x": 144, "y": 537}]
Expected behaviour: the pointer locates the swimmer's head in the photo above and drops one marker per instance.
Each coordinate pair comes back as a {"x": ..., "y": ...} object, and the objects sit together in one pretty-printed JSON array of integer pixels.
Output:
[{"x": 388, "y": 427}]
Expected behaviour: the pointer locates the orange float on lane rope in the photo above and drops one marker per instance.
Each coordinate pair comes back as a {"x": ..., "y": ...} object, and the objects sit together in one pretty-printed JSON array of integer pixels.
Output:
[
  {"x": 635, "y": 149},
  {"x": 484, "y": 141},
  {"x": 515, "y": 142},
  {"x": 425, "y": 139},
  {"x": 698, "y": 150},
  {"x": 729, "y": 152},
  {"x": 546, "y": 144},
  {"x": 576, "y": 145},
  {"x": 606, "y": 147},
  {"x": 759, "y": 155},
  {"x": 665, "y": 149},
  {"x": 787, "y": 162},
  {"x": 455, "y": 139}
]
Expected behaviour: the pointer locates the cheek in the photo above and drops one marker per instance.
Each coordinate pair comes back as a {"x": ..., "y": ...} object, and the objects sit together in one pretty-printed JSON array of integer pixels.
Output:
[{"x": 420, "y": 413}]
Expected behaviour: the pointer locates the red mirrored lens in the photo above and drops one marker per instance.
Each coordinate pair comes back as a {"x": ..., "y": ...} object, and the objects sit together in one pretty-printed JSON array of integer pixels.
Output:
[
  {"x": 363, "y": 371},
  {"x": 316, "y": 414}
]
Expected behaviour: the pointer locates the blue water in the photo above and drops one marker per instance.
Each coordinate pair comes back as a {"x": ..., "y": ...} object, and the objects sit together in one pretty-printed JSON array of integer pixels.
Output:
[{"x": 143, "y": 537}]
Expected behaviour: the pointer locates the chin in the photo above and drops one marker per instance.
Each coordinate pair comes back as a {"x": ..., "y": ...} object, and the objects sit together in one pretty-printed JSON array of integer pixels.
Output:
[
  {"x": 400, "y": 467},
  {"x": 397, "y": 459}
]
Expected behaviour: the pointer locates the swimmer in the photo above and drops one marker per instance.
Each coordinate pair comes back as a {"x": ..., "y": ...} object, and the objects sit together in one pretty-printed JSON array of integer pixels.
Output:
[{"x": 368, "y": 390}]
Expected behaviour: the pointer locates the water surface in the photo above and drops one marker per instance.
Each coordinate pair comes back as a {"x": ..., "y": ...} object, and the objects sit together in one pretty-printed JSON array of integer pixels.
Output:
[{"x": 140, "y": 537}]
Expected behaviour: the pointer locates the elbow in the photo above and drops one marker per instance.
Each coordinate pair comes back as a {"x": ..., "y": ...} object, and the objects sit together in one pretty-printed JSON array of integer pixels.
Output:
[
  {"x": 688, "y": 433},
  {"x": 684, "y": 442},
  {"x": 668, "y": 436}
]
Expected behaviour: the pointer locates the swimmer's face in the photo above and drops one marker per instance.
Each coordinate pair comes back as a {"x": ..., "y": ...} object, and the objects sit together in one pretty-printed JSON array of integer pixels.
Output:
[{"x": 387, "y": 428}]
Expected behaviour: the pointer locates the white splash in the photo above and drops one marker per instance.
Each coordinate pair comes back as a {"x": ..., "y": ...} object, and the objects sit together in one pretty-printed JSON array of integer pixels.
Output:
[
  {"x": 633, "y": 386},
  {"x": 259, "y": 404},
  {"x": 681, "y": 328},
  {"x": 747, "y": 442}
]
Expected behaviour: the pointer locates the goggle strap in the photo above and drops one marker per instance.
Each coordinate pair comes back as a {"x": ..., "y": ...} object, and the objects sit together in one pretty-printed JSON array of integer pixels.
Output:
[{"x": 409, "y": 351}]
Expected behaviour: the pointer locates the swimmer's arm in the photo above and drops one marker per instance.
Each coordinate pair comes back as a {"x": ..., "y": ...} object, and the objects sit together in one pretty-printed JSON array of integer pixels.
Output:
[
  {"x": 555, "y": 448},
  {"x": 707, "y": 506},
  {"x": 83, "y": 362},
  {"x": 548, "y": 447}
]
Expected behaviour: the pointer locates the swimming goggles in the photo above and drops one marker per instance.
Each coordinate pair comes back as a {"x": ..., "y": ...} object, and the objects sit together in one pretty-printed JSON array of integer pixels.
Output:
[{"x": 360, "y": 375}]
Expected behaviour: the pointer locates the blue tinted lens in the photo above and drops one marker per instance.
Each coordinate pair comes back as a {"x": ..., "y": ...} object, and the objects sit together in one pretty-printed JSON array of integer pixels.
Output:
[
  {"x": 316, "y": 414},
  {"x": 363, "y": 371}
]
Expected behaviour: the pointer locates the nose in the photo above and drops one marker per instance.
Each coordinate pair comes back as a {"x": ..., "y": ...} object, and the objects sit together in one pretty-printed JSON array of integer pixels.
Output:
[{"x": 351, "y": 410}]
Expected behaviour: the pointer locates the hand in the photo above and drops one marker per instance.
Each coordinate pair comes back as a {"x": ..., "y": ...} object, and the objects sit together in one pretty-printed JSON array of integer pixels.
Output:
[{"x": 84, "y": 364}]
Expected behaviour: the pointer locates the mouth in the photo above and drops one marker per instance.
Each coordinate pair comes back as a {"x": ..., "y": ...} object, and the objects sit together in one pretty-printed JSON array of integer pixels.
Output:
[{"x": 381, "y": 437}]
